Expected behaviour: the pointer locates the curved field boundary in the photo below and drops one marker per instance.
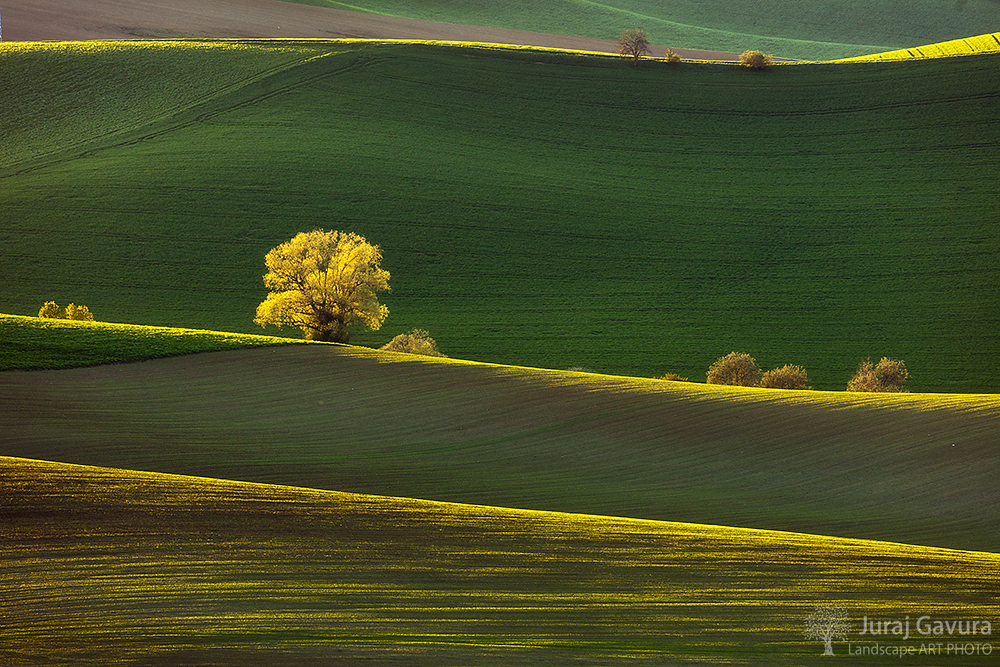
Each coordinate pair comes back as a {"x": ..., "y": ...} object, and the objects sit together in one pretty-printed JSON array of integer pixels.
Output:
[
  {"x": 33, "y": 343},
  {"x": 988, "y": 43},
  {"x": 109, "y": 566},
  {"x": 88, "y": 106},
  {"x": 916, "y": 468},
  {"x": 103, "y": 19},
  {"x": 852, "y": 176}
]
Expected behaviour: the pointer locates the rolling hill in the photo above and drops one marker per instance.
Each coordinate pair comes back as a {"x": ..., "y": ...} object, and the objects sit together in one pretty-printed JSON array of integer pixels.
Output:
[
  {"x": 803, "y": 31},
  {"x": 535, "y": 208},
  {"x": 67, "y": 20},
  {"x": 105, "y": 566},
  {"x": 911, "y": 468}
]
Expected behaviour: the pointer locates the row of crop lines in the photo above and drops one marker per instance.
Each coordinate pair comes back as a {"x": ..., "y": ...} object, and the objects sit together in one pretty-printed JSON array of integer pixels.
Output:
[
  {"x": 354, "y": 567},
  {"x": 402, "y": 182},
  {"x": 83, "y": 90}
]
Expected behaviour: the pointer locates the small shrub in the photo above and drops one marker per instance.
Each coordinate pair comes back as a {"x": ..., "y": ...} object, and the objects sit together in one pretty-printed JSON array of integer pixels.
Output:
[
  {"x": 672, "y": 377},
  {"x": 672, "y": 57},
  {"x": 579, "y": 369},
  {"x": 52, "y": 311},
  {"x": 888, "y": 375},
  {"x": 82, "y": 313},
  {"x": 736, "y": 368},
  {"x": 417, "y": 341},
  {"x": 756, "y": 60},
  {"x": 786, "y": 377}
]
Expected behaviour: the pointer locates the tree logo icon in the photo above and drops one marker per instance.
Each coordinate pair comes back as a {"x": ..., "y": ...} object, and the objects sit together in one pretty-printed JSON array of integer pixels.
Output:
[{"x": 826, "y": 623}]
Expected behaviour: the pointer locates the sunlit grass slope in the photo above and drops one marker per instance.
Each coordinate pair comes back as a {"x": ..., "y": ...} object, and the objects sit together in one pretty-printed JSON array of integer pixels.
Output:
[
  {"x": 115, "y": 567},
  {"x": 33, "y": 343},
  {"x": 912, "y": 468},
  {"x": 538, "y": 209},
  {"x": 959, "y": 47},
  {"x": 793, "y": 29}
]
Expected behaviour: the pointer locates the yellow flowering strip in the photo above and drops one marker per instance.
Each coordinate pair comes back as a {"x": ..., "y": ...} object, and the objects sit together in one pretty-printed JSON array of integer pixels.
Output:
[
  {"x": 105, "y": 46},
  {"x": 107, "y": 566},
  {"x": 989, "y": 43}
]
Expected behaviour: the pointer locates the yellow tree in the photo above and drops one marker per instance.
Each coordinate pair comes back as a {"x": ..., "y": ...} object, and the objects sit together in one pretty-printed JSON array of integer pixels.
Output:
[
  {"x": 52, "y": 311},
  {"x": 324, "y": 283},
  {"x": 75, "y": 312}
]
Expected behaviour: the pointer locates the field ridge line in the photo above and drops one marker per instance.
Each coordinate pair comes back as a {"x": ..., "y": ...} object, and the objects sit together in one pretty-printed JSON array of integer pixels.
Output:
[{"x": 140, "y": 132}]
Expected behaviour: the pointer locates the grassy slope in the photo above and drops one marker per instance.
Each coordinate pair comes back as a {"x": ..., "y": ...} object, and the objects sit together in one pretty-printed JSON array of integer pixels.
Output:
[
  {"x": 52, "y": 103},
  {"x": 28, "y": 343},
  {"x": 910, "y": 468},
  {"x": 548, "y": 210},
  {"x": 113, "y": 567},
  {"x": 789, "y": 28}
]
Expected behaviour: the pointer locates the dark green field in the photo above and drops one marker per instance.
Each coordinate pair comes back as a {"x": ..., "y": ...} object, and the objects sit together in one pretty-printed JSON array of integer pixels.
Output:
[
  {"x": 911, "y": 468},
  {"x": 792, "y": 29},
  {"x": 104, "y": 566},
  {"x": 534, "y": 209}
]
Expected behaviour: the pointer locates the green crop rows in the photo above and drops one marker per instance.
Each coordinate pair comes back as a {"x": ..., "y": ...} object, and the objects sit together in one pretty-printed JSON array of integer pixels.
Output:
[
  {"x": 539, "y": 209},
  {"x": 915, "y": 468}
]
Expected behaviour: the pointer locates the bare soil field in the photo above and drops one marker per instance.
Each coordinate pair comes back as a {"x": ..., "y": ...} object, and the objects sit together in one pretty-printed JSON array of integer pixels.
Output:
[{"x": 40, "y": 20}]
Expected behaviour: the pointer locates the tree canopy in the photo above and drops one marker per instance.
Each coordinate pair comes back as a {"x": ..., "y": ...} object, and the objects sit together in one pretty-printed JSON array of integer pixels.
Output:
[
  {"x": 324, "y": 283},
  {"x": 888, "y": 375},
  {"x": 51, "y": 310},
  {"x": 634, "y": 42},
  {"x": 736, "y": 368},
  {"x": 417, "y": 341}
]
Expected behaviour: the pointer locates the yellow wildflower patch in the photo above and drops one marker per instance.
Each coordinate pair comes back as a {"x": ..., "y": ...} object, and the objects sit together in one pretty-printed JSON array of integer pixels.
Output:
[{"x": 102, "y": 563}]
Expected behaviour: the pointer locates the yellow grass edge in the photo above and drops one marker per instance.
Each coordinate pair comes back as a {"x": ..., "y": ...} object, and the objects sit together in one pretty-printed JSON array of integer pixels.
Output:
[
  {"x": 597, "y": 381},
  {"x": 988, "y": 43},
  {"x": 144, "y": 329},
  {"x": 197, "y": 486},
  {"x": 980, "y": 44},
  {"x": 701, "y": 390}
]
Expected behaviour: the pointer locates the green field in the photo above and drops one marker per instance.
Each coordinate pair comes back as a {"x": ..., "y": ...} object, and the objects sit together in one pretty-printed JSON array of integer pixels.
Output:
[
  {"x": 29, "y": 343},
  {"x": 104, "y": 566},
  {"x": 534, "y": 208},
  {"x": 791, "y": 29},
  {"x": 914, "y": 468}
]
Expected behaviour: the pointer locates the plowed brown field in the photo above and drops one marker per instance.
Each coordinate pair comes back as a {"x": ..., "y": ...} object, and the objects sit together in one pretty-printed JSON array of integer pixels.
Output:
[{"x": 38, "y": 20}]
